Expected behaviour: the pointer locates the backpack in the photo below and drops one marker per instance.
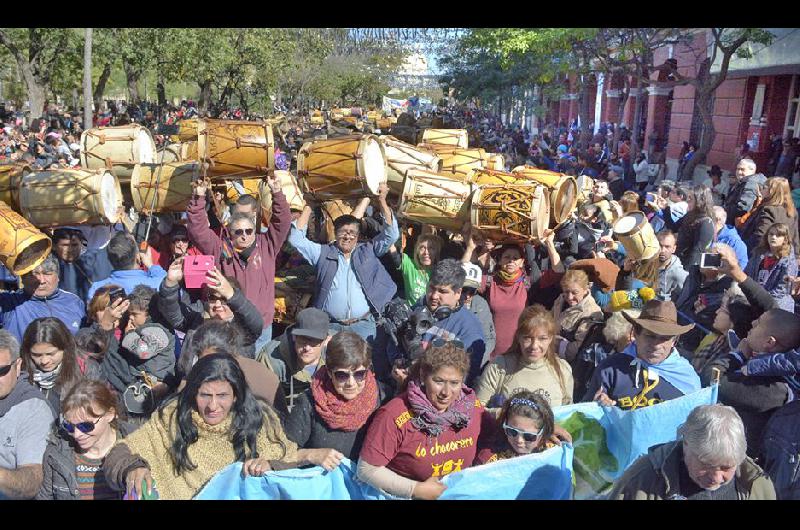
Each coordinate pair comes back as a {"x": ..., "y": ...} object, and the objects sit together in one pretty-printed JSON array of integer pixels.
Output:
[{"x": 781, "y": 451}]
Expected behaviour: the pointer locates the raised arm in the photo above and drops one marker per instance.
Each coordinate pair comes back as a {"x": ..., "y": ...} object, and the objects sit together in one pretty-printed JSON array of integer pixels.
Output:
[
  {"x": 281, "y": 221},
  {"x": 199, "y": 232}
]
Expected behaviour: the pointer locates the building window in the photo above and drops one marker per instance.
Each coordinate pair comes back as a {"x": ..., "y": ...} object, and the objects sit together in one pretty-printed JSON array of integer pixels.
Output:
[{"x": 792, "y": 126}]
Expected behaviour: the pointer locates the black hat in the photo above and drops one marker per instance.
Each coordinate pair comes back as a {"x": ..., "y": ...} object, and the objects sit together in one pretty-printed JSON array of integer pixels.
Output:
[
  {"x": 312, "y": 322},
  {"x": 715, "y": 170}
]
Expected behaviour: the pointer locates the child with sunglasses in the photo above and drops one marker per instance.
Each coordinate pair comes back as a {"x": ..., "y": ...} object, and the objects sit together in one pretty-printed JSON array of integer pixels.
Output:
[
  {"x": 527, "y": 425},
  {"x": 78, "y": 444}
]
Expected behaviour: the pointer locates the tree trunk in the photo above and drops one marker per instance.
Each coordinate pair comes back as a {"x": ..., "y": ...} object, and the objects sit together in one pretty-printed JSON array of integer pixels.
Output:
[
  {"x": 703, "y": 97},
  {"x": 161, "y": 89},
  {"x": 583, "y": 112},
  {"x": 623, "y": 99},
  {"x": 637, "y": 117},
  {"x": 87, "y": 79},
  {"x": 100, "y": 87},
  {"x": 205, "y": 95},
  {"x": 132, "y": 78}
]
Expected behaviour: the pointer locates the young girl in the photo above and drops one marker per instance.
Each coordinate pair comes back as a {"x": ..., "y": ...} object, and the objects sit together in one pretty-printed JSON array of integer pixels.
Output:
[
  {"x": 416, "y": 271},
  {"x": 526, "y": 425},
  {"x": 574, "y": 311},
  {"x": 772, "y": 262}
]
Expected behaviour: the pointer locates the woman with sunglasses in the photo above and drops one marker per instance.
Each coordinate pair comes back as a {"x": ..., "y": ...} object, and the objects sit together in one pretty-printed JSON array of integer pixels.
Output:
[
  {"x": 335, "y": 412},
  {"x": 49, "y": 358},
  {"x": 428, "y": 431},
  {"x": 527, "y": 425},
  {"x": 213, "y": 422},
  {"x": 87, "y": 430}
]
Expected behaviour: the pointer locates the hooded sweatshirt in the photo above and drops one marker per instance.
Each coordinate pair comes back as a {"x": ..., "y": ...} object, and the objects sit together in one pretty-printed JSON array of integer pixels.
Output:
[{"x": 280, "y": 357}]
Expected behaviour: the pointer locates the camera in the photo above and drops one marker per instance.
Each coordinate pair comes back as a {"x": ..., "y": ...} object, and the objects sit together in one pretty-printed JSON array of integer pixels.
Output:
[
  {"x": 710, "y": 261},
  {"x": 116, "y": 294},
  {"x": 406, "y": 327}
]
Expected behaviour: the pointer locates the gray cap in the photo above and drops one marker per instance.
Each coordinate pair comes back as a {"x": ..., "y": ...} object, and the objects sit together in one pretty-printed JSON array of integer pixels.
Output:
[{"x": 311, "y": 322}]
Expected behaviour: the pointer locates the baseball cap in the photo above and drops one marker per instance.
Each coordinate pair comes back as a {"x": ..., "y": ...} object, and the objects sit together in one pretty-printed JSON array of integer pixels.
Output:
[
  {"x": 311, "y": 322},
  {"x": 474, "y": 275}
]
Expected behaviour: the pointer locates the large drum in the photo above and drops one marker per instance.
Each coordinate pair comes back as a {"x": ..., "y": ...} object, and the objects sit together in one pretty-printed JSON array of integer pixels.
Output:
[
  {"x": 636, "y": 234},
  {"x": 331, "y": 210},
  {"x": 456, "y": 161},
  {"x": 187, "y": 129},
  {"x": 495, "y": 161},
  {"x": 342, "y": 168},
  {"x": 510, "y": 213},
  {"x": 290, "y": 189},
  {"x": 168, "y": 154},
  {"x": 585, "y": 185},
  {"x": 235, "y": 188},
  {"x": 10, "y": 177},
  {"x": 401, "y": 157},
  {"x": 22, "y": 246},
  {"x": 236, "y": 149},
  {"x": 452, "y": 137},
  {"x": 563, "y": 191},
  {"x": 117, "y": 149},
  {"x": 434, "y": 199},
  {"x": 68, "y": 197},
  {"x": 489, "y": 176},
  {"x": 165, "y": 188}
]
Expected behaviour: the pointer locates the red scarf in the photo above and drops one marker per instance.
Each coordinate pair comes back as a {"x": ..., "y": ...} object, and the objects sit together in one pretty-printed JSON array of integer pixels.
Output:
[{"x": 338, "y": 414}]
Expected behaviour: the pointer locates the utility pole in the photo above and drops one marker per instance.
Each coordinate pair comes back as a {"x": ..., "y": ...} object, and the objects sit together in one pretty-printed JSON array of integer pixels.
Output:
[{"x": 87, "y": 79}]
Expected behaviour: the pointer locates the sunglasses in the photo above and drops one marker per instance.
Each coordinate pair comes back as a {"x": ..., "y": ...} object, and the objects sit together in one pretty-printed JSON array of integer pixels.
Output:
[
  {"x": 180, "y": 240},
  {"x": 343, "y": 376},
  {"x": 511, "y": 432},
  {"x": 5, "y": 369},
  {"x": 240, "y": 231},
  {"x": 85, "y": 426}
]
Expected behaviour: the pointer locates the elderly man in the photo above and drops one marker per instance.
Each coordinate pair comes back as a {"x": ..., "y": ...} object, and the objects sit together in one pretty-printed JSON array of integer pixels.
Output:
[
  {"x": 25, "y": 419},
  {"x": 353, "y": 286},
  {"x": 650, "y": 370},
  {"x": 671, "y": 274},
  {"x": 744, "y": 190},
  {"x": 707, "y": 462},
  {"x": 244, "y": 254},
  {"x": 125, "y": 258},
  {"x": 729, "y": 236},
  {"x": 40, "y": 297}
]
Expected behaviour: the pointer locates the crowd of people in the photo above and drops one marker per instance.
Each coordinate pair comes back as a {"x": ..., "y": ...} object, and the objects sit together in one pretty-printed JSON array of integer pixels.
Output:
[{"x": 422, "y": 352}]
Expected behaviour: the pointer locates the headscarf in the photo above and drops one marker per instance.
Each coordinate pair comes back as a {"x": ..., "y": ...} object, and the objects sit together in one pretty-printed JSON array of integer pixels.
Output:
[{"x": 433, "y": 422}]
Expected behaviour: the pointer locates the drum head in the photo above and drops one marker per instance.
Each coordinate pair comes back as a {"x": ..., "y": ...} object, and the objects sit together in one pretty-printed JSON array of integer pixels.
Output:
[
  {"x": 374, "y": 164},
  {"x": 147, "y": 151},
  {"x": 108, "y": 197},
  {"x": 566, "y": 199},
  {"x": 628, "y": 223}
]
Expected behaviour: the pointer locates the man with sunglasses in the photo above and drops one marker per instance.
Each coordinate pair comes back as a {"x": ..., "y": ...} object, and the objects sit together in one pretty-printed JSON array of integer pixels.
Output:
[
  {"x": 244, "y": 254},
  {"x": 25, "y": 419},
  {"x": 352, "y": 286},
  {"x": 650, "y": 370},
  {"x": 177, "y": 247}
]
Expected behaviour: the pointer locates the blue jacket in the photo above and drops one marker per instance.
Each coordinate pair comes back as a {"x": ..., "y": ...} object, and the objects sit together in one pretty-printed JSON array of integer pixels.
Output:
[
  {"x": 131, "y": 278},
  {"x": 729, "y": 236},
  {"x": 19, "y": 309},
  {"x": 777, "y": 364},
  {"x": 95, "y": 263}
]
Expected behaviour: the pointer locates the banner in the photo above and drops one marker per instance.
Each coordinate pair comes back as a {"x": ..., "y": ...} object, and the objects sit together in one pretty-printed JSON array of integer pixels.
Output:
[
  {"x": 608, "y": 439},
  {"x": 546, "y": 476},
  {"x": 389, "y": 104}
]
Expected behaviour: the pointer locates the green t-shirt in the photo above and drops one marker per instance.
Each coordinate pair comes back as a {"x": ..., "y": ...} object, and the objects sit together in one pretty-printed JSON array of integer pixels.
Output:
[{"x": 415, "y": 281}]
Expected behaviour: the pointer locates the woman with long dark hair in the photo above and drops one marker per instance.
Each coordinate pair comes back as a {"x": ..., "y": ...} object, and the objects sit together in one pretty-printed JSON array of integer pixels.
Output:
[
  {"x": 49, "y": 357},
  {"x": 776, "y": 206},
  {"x": 697, "y": 231},
  {"x": 213, "y": 422}
]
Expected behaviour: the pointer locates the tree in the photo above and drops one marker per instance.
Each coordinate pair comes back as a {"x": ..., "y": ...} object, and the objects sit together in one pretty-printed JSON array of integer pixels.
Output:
[
  {"x": 36, "y": 52},
  {"x": 87, "y": 80}
]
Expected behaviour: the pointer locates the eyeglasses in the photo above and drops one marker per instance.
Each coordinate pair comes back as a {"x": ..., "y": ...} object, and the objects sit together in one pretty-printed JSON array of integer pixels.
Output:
[
  {"x": 438, "y": 342},
  {"x": 343, "y": 376},
  {"x": 85, "y": 426},
  {"x": 240, "y": 231},
  {"x": 511, "y": 432},
  {"x": 351, "y": 233},
  {"x": 5, "y": 369}
]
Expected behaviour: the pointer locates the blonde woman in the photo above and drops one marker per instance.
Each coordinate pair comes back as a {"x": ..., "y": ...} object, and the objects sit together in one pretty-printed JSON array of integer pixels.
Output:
[
  {"x": 530, "y": 364},
  {"x": 574, "y": 311}
]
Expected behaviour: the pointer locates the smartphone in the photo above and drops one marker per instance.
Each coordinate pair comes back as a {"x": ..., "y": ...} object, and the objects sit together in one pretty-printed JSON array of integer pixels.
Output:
[
  {"x": 116, "y": 294},
  {"x": 650, "y": 197},
  {"x": 195, "y": 269},
  {"x": 710, "y": 261}
]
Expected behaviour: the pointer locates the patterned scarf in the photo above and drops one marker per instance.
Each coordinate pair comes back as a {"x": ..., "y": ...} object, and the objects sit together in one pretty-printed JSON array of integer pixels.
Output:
[
  {"x": 340, "y": 414},
  {"x": 46, "y": 380},
  {"x": 509, "y": 279},
  {"x": 429, "y": 420}
]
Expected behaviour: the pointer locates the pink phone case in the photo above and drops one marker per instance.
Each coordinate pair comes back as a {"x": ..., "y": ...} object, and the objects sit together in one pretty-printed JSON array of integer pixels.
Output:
[{"x": 194, "y": 270}]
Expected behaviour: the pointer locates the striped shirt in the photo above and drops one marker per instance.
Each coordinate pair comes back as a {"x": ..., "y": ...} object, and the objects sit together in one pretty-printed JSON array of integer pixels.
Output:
[{"x": 92, "y": 483}]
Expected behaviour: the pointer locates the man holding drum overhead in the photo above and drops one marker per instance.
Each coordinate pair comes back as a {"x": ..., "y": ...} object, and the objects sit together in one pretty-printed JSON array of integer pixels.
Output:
[{"x": 352, "y": 286}]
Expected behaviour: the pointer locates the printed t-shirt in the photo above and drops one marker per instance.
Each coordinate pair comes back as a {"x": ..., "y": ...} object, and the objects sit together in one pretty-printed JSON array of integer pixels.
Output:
[
  {"x": 764, "y": 270},
  {"x": 618, "y": 377},
  {"x": 415, "y": 281},
  {"x": 392, "y": 441}
]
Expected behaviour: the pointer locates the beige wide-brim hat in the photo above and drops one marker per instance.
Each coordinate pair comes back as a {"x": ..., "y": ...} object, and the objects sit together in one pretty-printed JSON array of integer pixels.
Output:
[{"x": 660, "y": 318}]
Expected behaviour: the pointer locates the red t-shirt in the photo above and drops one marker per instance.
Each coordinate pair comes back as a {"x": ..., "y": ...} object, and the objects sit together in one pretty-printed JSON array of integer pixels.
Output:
[{"x": 392, "y": 441}]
